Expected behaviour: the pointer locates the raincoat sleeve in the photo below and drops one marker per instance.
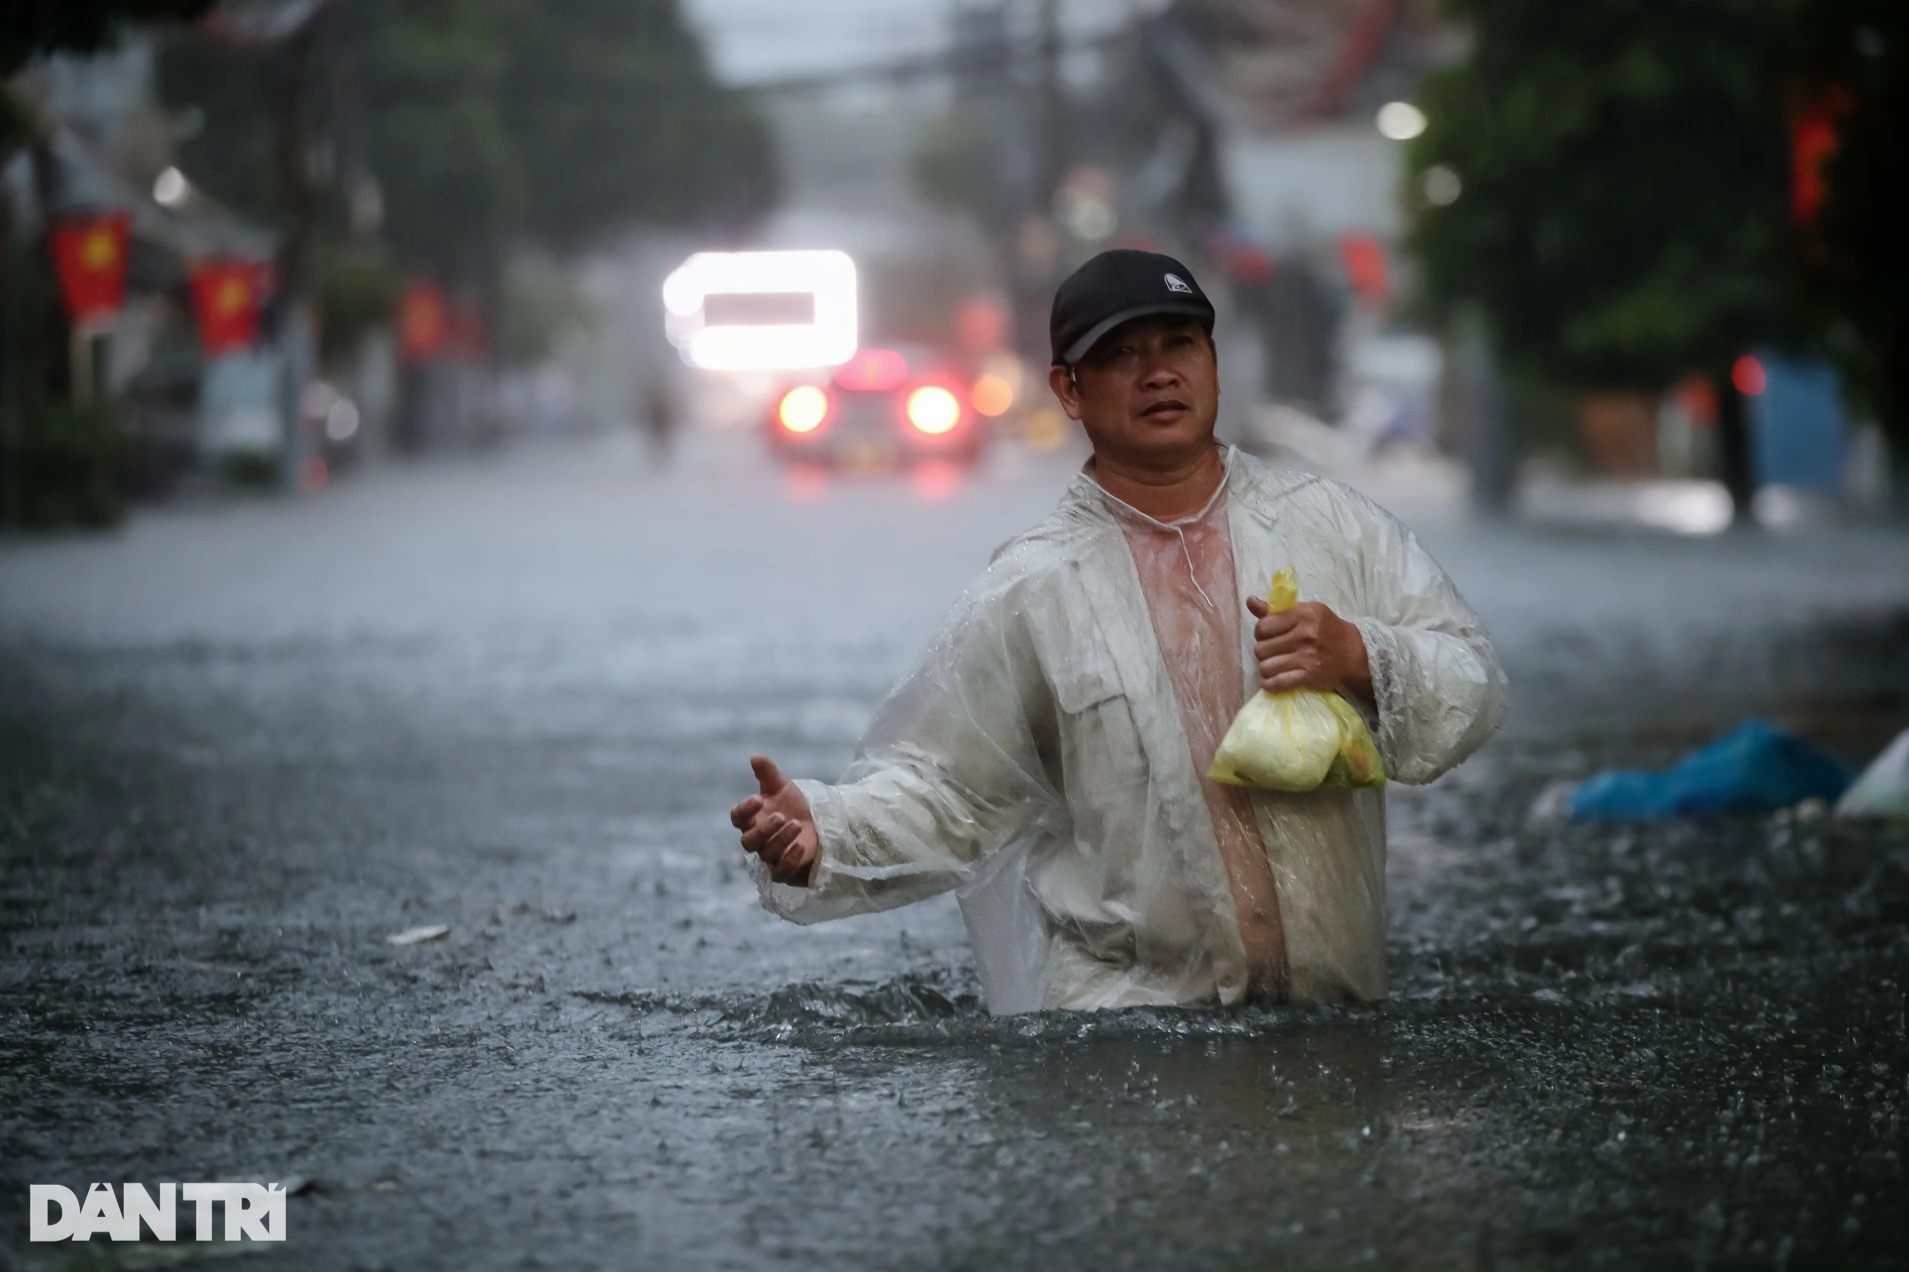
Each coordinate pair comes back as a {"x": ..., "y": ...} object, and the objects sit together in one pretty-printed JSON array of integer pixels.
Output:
[
  {"x": 1439, "y": 689},
  {"x": 949, "y": 773}
]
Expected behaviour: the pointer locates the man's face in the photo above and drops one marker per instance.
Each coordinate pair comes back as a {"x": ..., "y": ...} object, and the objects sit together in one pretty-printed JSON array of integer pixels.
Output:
[{"x": 1147, "y": 393}]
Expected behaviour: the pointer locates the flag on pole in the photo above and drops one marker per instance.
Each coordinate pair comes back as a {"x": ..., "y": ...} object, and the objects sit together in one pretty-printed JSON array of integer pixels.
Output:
[
  {"x": 1814, "y": 140},
  {"x": 422, "y": 321},
  {"x": 225, "y": 296},
  {"x": 89, "y": 255}
]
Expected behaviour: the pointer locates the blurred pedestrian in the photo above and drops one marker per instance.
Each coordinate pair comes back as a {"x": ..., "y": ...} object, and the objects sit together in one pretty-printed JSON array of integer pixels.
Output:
[
  {"x": 1048, "y": 755},
  {"x": 659, "y": 420}
]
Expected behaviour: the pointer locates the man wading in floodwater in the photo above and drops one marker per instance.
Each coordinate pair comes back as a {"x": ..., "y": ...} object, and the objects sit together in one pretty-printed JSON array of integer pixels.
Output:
[{"x": 1048, "y": 756}]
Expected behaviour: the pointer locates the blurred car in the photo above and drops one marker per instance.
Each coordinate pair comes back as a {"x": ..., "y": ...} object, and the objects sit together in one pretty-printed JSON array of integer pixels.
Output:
[{"x": 882, "y": 409}]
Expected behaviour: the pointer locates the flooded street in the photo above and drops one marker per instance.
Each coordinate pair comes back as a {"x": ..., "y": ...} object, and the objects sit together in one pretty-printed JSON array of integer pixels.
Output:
[{"x": 240, "y": 746}]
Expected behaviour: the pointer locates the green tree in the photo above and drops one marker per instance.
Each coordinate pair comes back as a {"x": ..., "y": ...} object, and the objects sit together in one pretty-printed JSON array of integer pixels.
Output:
[
  {"x": 957, "y": 164},
  {"x": 452, "y": 172},
  {"x": 618, "y": 115},
  {"x": 492, "y": 122},
  {"x": 1622, "y": 169}
]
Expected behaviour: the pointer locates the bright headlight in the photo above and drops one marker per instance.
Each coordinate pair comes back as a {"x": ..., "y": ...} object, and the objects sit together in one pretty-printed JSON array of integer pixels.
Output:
[
  {"x": 803, "y": 409},
  {"x": 933, "y": 409}
]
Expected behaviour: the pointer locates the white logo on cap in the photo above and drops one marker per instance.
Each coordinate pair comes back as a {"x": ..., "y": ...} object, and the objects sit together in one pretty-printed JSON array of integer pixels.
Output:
[{"x": 1177, "y": 283}]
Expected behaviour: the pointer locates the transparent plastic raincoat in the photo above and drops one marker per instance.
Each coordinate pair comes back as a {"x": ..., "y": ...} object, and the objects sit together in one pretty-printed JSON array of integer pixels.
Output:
[{"x": 1038, "y": 760}]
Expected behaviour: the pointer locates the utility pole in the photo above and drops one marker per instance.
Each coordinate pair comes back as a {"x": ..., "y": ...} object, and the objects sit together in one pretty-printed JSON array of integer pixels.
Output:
[
  {"x": 1053, "y": 153},
  {"x": 297, "y": 81},
  {"x": 1492, "y": 442},
  {"x": 12, "y": 375}
]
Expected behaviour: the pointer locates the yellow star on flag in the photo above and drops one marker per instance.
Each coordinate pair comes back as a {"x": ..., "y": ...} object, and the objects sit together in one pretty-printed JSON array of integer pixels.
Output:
[
  {"x": 231, "y": 297},
  {"x": 100, "y": 251}
]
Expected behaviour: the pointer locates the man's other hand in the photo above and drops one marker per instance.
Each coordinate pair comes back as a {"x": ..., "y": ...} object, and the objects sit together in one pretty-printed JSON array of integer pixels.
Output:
[
  {"x": 776, "y": 824},
  {"x": 1309, "y": 647}
]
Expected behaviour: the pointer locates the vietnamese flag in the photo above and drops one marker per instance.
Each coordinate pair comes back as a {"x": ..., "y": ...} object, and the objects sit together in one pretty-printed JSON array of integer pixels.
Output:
[
  {"x": 423, "y": 324},
  {"x": 225, "y": 295},
  {"x": 1813, "y": 142},
  {"x": 89, "y": 255},
  {"x": 1364, "y": 262}
]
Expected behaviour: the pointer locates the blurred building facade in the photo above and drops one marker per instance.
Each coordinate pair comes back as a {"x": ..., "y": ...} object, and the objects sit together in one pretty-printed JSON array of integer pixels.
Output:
[{"x": 186, "y": 403}]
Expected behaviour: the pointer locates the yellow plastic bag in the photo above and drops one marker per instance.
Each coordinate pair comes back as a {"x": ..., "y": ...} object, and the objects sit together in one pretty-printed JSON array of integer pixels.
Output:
[{"x": 1300, "y": 740}]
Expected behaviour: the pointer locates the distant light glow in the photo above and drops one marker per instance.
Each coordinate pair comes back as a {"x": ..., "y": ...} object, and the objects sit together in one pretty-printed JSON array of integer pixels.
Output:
[
  {"x": 316, "y": 398},
  {"x": 982, "y": 323},
  {"x": 806, "y": 483},
  {"x": 313, "y": 474},
  {"x": 933, "y": 409},
  {"x": 341, "y": 420},
  {"x": 170, "y": 188},
  {"x": 1091, "y": 219},
  {"x": 873, "y": 371},
  {"x": 803, "y": 409},
  {"x": 1046, "y": 430},
  {"x": 937, "y": 479},
  {"x": 1401, "y": 121},
  {"x": 992, "y": 396},
  {"x": 1442, "y": 186},
  {"x": 1747, "y": 374},
  {"x": 828, "y": 340},
  {"x": 1779, "y": 507},
  {"x": 1698, "y": 507}
]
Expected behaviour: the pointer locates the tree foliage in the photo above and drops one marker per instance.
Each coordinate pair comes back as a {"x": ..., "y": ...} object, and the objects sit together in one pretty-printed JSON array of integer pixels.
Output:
[
  {"x": 486, "y": 122},
  {"x": 616, "y": 108},
  {"x": 956, "y": 164},
  {"x": 33, "y": 27},
  {"x": 1623, "y": 166}
]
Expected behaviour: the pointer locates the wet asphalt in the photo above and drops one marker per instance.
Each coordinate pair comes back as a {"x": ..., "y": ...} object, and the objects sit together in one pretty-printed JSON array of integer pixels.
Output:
[{"x": 241, "y": 745}]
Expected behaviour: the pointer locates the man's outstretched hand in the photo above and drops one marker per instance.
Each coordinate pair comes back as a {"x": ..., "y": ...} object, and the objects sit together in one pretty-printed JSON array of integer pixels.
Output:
[{"x": 776, "y": 824}]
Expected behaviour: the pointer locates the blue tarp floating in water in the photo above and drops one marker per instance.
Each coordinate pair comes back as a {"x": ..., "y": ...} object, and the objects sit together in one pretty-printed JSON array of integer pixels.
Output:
[{"x": 1755, "y": 768}]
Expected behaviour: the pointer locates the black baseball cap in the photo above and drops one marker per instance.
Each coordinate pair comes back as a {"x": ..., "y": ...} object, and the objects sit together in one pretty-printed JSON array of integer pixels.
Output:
[{"x": 1118, "y": 286}]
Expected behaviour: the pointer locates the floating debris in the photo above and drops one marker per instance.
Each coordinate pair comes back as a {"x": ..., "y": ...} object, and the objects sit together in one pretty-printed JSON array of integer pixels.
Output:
[
  {"x": 1883, "y": 788},
  {"x": 419, "y": 935},
  {"x": 1755, "y": 768}
]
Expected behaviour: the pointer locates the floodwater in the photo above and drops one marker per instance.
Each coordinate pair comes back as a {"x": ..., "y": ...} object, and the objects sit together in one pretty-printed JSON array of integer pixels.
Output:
[{"x": 239, "y": 746}]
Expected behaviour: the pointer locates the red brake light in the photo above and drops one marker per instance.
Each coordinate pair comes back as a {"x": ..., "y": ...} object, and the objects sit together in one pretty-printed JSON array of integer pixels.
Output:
[
  {"x": 872, "y": 371},
  {"x": 803, "y": 409}
]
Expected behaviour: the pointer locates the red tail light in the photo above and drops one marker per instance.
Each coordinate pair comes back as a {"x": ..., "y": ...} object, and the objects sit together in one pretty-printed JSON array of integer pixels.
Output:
[
  {"x": 803, "y": 409},
  {"x": 873, "y": 371}
]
